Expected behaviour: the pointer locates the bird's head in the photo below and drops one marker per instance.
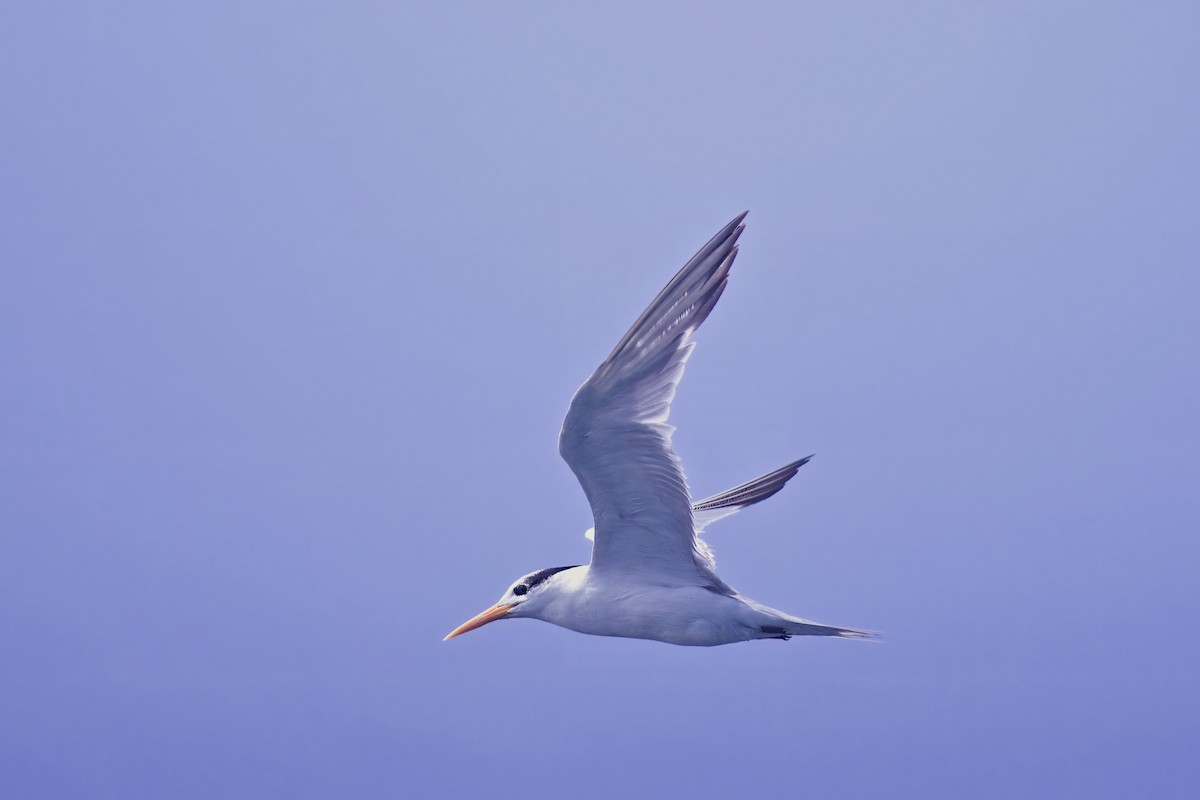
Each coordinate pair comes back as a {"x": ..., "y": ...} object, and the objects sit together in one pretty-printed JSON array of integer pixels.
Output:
[{"x": 523, "y": 599}]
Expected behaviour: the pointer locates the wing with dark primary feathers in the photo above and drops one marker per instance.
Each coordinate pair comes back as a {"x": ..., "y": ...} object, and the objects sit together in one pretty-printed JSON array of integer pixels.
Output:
[{"x": 730, "y": 501}]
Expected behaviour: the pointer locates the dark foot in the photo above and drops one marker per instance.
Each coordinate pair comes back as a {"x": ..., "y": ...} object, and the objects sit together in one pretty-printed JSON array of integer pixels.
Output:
[{"x": 779, "y": 633}]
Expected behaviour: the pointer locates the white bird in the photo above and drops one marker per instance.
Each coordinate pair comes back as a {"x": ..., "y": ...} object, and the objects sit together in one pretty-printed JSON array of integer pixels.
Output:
[{"x": 651, "y": 576}]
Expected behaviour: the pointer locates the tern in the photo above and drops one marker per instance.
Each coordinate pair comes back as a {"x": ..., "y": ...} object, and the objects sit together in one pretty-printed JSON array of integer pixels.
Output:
[{"x": 651, "y": 575}]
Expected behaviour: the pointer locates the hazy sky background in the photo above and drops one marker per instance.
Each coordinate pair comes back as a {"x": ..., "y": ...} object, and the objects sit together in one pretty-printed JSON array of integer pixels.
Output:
[{"x": 293, "y": 297}]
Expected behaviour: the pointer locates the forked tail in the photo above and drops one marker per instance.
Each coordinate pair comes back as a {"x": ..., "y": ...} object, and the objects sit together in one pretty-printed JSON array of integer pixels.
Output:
[
  {"x": 806, "y": 628},
  {"x": 773, "y": 622},
  {"x": 787, "y": 629}
]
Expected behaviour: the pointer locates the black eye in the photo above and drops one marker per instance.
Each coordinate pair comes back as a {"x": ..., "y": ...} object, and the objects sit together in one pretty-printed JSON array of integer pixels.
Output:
[{"x": 520, "y": 589}]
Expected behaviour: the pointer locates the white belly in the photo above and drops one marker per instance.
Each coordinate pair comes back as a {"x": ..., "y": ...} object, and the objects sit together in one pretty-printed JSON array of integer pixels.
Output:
[{"x": 688, "y": 615}]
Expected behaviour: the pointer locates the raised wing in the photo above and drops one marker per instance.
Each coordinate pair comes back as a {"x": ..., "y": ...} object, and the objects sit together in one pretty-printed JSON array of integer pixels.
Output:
[
  {"x": 616, "y": 438},
  {"x": 707, "y": 511}
]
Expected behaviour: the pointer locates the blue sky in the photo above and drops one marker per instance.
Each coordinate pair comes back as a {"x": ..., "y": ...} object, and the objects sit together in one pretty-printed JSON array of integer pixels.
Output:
[{"x": 294, "y": 296}]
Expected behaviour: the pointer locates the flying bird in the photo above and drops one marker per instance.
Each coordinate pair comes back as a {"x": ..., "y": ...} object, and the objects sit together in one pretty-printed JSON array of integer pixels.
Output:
[{"x": 651, "y": 575}]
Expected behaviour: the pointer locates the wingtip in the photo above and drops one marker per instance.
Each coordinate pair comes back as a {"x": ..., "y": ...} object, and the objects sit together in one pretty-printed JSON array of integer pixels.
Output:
[{"x": 732, "y": 230}]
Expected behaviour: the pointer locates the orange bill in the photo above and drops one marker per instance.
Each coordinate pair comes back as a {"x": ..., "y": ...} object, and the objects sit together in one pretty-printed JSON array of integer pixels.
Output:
[{"x": 479, "y": 620}]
